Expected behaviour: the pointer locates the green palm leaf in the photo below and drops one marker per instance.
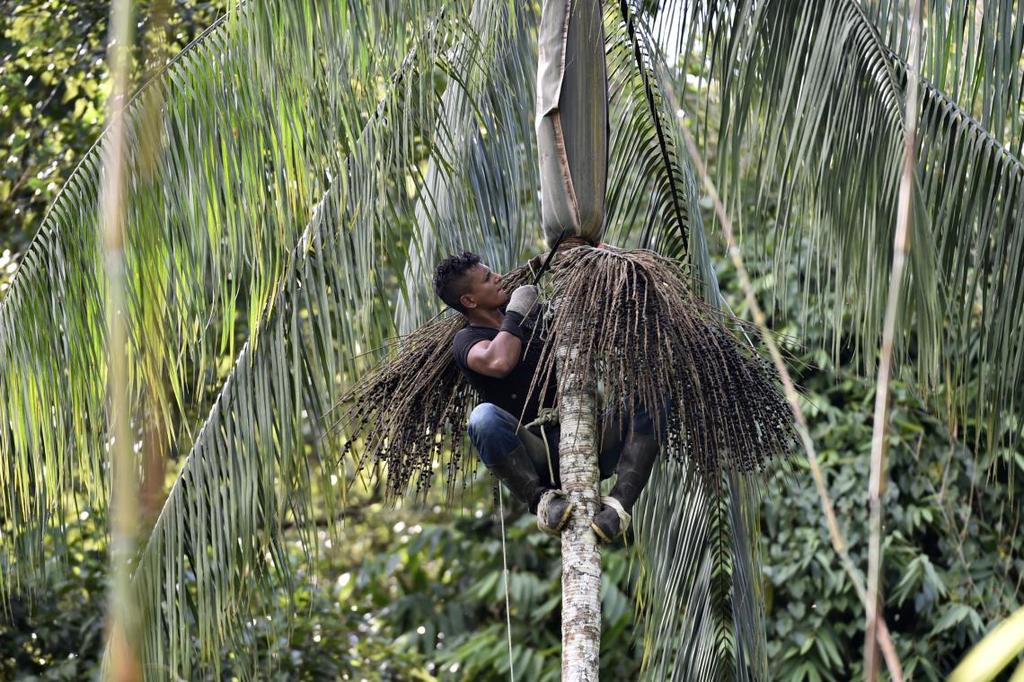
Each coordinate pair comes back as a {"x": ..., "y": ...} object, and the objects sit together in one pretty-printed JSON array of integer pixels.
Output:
[
  {"x": 971, "y": 52},
  {"x": 477, "y": 192},
  {"x": 818, "y": 90},
  {"x": 252, "y": 121},
  {"x": 222, "y": 518},
  {"x": 648, "y": 200}
]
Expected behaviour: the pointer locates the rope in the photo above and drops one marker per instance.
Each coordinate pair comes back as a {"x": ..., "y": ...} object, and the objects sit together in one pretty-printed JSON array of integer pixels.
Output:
[
  {"x": 547, "y": 451},
  {"x": 547, "y": 416},
  {"x": 504, "y": 565},
  {"x": 624, "y": 517}
]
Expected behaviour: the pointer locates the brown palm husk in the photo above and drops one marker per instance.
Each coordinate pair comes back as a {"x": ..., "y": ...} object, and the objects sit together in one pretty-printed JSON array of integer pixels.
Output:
[
  {"x": 650, "y": 343},
  {"x": 657, "y": 348}
]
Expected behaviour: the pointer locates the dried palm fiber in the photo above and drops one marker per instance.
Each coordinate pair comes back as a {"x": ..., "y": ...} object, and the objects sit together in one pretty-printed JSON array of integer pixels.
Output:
[
  {"x": 650, "y": 342},
  {"x": 655, "y": 347}
]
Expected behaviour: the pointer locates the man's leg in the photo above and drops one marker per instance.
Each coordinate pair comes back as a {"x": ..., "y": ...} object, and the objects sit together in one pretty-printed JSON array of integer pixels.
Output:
[
  {"x": 638, "y": 454},
  {"x": 614, "y": 430},
  {"x": 494, "y": 434},
  {"x": 544, "y": 455}
]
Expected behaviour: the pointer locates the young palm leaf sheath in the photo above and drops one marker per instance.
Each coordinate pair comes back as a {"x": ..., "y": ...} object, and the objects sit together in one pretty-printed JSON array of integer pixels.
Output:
[{"x": 640, "y": 331}]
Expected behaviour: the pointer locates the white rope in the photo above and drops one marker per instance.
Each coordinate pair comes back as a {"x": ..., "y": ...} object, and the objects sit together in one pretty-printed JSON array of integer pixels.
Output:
[
  {"x": 546, "y": 416},
  {"x": 504, "y": 564},
  {"x": 624, "y": 517},
  {"x": 547, "y": 450}
]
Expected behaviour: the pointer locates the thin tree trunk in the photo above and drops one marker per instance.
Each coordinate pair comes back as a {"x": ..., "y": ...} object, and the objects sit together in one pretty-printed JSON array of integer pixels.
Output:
[
  {"x": 581, "y": 559},
  {"x": 122, "y": 664},
  {"x": 879, "y": 433}
]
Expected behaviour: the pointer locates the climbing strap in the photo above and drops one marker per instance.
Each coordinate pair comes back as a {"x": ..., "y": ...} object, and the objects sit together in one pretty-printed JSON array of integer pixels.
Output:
[
  {"x": 625, "y": 518},
  {"x": 542, "y": 510},
  {"x": 547, "y": 261},
  {"x": 546, "y": 416}
]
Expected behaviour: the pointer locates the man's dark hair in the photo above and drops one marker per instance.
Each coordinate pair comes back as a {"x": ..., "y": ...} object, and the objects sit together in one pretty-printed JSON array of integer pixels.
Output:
[{"x": 450, "y": 278}]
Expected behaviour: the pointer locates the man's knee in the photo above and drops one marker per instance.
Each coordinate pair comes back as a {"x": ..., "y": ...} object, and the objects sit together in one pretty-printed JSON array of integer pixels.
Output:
[
  {"x": 492, "y": 431},
  {"x": 643, "y": 423},
  {"x": 646, "y": 424},
  {"x": 484, "y": 418}
]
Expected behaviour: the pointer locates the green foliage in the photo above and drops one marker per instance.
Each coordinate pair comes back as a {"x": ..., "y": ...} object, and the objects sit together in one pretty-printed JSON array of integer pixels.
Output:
[
  {"x": 431, "y": 589},
  {"x": 59, "y": 637},
  {"x": 53, "y": 89},
  {"x": 811, "y": 100},
  {"x": 399, "y": 595},
  {"x": 954, "y": 560}
]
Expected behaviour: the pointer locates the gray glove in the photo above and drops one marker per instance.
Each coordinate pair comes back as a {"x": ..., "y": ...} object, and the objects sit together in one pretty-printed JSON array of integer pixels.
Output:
[
  {"x": 521, "y": 304},
  {"x": 523, "y": 300}
]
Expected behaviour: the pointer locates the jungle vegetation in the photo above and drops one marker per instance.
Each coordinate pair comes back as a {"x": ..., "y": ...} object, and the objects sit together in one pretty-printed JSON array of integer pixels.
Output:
[{"x": 297, "y": 167}]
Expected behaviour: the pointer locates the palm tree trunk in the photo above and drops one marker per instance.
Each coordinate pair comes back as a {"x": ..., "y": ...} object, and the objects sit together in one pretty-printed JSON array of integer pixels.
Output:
[
  {"x": 572, "y": 127},
  {"x": 581, "y": 559}
]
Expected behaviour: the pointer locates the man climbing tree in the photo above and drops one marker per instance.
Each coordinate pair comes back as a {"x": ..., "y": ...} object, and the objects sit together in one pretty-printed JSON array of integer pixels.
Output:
[{"x": 498, "y": 352}]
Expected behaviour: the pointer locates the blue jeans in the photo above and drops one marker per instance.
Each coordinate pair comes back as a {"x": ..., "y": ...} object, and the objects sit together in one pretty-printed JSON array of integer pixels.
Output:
[{"x": 493, "y": 432}]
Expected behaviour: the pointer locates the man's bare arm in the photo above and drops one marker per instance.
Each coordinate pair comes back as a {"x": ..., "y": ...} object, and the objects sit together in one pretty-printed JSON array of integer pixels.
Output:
[{"x": 495, "y": 358}]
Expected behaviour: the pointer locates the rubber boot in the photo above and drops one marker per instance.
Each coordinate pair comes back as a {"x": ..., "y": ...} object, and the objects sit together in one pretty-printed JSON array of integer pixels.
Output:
[
  {"x": 634, "y": 468},
  {"x": 516, "y": 471}
]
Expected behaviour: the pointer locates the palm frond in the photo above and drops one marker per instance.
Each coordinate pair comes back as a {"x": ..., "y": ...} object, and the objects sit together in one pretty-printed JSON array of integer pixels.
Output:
[
  {"x": 747, "y": 593},
  {"x": 252, "y": 118},
  {"x": 477, "y": 192},
  {"x": 817, "y": 90},
  {"x": 971, "y": 52},
  {"x": 222, "y": 519},
  {"x": 971, "y": 194},
  {"x": 647, "y": 191},
  {"x": 699, "y": 602},
  {"x": 676, "y": 606}
]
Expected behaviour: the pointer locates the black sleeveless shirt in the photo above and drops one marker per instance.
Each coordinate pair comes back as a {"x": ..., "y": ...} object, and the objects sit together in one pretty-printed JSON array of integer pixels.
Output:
[{"x": 510, "y": 392}]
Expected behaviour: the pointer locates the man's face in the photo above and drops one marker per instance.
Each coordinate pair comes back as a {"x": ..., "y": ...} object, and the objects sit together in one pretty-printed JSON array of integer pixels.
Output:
[{"x": 483, "y": 289}]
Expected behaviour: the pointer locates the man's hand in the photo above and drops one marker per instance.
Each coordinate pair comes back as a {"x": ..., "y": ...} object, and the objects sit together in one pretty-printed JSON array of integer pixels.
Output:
[
  {"x": 499, "y": 357},
  {"x": 523, "y": 300}
]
